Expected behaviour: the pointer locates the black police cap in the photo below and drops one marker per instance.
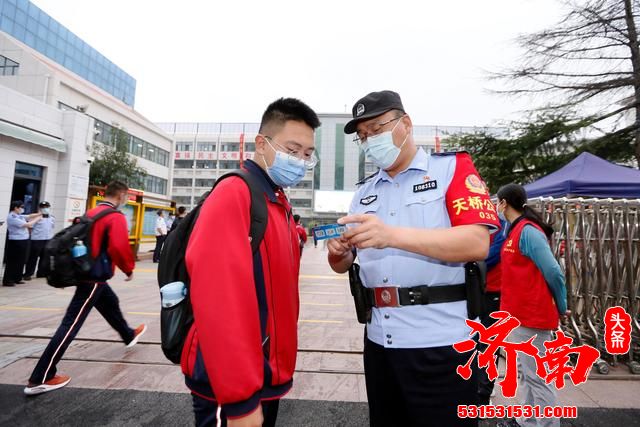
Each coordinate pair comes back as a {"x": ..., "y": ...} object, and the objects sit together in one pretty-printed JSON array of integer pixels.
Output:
[{"x": 373, "y": 105}]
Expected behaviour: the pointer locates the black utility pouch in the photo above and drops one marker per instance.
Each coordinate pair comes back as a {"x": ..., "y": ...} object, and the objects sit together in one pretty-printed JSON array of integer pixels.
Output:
[
  {"x": 475, "y": 279},
  {"x": 361, "y": 297}
]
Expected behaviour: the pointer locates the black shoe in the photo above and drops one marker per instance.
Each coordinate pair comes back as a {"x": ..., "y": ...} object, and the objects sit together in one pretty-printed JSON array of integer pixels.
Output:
[
  {"x": 20, "y": 282},
  {"x": 484, "y": 399},
  {"x": 27, "y": 278},
  {"x": 8, "y": 284}
]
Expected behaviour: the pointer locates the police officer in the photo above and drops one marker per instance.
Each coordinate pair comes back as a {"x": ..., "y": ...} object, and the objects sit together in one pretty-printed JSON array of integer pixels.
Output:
[
  {"x": 413, "y": 225},
  {"x": 41, "y": 233},
  {"x": 18, "y": 226}
]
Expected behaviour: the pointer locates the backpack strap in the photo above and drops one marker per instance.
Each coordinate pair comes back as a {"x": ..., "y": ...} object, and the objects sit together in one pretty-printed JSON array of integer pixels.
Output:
[
  {"x": 256, "y": 232},
  {"x": 258, "y": 206},
  {"x": 103, "y": 213}
]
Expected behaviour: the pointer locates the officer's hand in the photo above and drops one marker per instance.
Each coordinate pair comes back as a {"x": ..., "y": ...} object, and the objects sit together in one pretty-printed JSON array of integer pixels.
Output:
[
  {"x": 129, "y": 277},
  {"x": 254, "y": 419},
  {"x": 369, "y": 231},
  {"x": 339, "y": 247}
]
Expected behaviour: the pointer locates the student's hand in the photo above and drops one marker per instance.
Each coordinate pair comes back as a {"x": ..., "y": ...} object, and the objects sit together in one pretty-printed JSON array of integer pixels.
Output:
[
  {"x": 129, "y": 277},
  {"x": 339, "y": 247},
  {"x": 564, "y": 317},
  {"x": 370, "y": 231},
  {"x": 254, "y": 419}
]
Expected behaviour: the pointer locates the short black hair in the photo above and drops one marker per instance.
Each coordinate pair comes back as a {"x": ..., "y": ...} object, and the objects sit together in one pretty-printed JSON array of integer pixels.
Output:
[
  {"x": 296, "y": 218},
  {"x": 115, "y": 187},
  {"x": 181, "y": 210},
  {"x": 16, "y": 204},
  {"x": 283, "y": 110},
  {"x": 159, "y": 212}
]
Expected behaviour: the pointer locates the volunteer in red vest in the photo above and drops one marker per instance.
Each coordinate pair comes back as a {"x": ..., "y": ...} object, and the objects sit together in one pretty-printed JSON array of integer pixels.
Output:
[
  {"x": 491, "y": 304},
  {"x": 533, "y": 290}
]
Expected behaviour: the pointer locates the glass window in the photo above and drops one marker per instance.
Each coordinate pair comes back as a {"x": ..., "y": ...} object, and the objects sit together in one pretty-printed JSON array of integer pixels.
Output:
[
  {"x": 205, "y": 164},
  {"x": 182, "y": 182},
  {"x": 205, "y": 182},
  {"x": 301, "y": 203},
  {"x": 206, "y": 146},
  {"x": 250, "y": 146},
  {"x": 230, "y": 146},
  {"x": 182, "y": 200},
  {"x": 183, "y": 164},
  {"x": 229, "y": 164},
  {"x": 8, "y": 67}
]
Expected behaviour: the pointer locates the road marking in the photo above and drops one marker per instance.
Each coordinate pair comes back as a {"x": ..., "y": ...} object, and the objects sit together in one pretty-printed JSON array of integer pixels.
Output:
[
  {"x": 322, "y": 293},
  {"x": 12, "y": 308},
  {"x": 320, "y": 321},
  {"x": 302, "y": 276},
  {"x": 322, "y": 284},
  {"x": 320, "y": 304},
  {"x": 307, "y": 276}
]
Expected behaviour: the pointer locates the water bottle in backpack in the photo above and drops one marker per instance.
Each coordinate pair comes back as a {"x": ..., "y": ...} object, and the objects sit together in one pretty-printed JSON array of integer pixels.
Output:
[
  {"x": 79, "y": 254},
  {"x": 173, "y": 293}
]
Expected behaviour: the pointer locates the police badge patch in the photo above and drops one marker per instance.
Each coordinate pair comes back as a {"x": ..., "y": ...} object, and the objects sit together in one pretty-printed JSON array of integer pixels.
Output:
[
  {"x": 368, "y": 200},
  {"x": 475, "y": 184}
]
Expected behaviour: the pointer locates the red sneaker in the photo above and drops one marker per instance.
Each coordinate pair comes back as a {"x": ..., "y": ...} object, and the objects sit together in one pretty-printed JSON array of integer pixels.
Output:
[
  {"x": 137, "y": 333},
  {"x": 54, "y": 383}
]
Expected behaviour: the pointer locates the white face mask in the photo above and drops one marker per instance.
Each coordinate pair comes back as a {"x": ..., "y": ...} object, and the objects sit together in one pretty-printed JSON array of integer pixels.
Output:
[
  {"x": 46, "y": 211},
  {"x": 20, "y": 211},
  {"x": 381, "y": 149}
]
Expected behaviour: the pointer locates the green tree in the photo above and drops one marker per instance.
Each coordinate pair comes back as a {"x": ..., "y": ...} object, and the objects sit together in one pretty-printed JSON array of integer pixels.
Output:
[
  {"x": 113, "y": 162},
  {"x": 590, "y": 60},
  {"x": 536, "y": 149}
]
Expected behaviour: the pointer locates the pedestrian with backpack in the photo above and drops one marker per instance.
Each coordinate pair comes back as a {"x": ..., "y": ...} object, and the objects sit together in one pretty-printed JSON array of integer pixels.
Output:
[
  {"x": 108, "y": 247},
  {"x": 240, "y": 353}
]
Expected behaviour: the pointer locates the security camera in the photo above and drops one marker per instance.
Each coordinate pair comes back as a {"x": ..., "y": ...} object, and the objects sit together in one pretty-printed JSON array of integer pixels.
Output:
[
  {"x": 82, "y": 108},
  {"x": 96, "y": 132},
  {"x": 90, "y": 159}
]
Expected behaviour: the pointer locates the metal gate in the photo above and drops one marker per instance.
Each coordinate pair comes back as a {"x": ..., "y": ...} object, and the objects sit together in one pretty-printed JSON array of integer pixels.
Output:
[{"x": 597, "y": 243}]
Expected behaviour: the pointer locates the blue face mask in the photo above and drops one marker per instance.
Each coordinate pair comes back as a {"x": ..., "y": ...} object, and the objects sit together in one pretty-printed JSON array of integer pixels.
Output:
[
  {"x": 286, "y": 170},
  {"x": 381, "y": 149},
  {"x": 501, "y": 215}
]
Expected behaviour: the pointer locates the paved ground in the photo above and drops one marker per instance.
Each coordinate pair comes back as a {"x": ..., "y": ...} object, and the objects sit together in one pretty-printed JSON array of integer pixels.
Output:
[{"x": 113, "y": 386}]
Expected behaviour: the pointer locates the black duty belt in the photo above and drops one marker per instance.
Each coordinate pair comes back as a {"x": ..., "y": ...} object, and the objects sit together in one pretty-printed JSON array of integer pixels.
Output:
[{"x": 418, "y": 295}]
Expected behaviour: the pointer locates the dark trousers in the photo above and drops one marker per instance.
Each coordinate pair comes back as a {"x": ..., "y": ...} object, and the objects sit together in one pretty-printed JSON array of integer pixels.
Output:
[
  {"x": 158, "y": 249},
  {"x": 85, "y": 298},
  {"x": 485, "y": 387},
  {"x": 417, "y": 386},
  {"x": 36, "y": 251},
  {"x": 16, "y": 257},
  {"x": 206, "y": 411}
]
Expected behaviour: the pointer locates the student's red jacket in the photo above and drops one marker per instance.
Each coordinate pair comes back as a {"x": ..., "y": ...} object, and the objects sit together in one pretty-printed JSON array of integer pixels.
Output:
[
  {"x": 224, "y": 358},
  {"x": 113, "y": 227}
]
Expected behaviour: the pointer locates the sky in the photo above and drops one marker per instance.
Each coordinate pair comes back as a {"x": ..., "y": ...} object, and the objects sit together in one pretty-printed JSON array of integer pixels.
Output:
[{"x": 225, "y": 61}]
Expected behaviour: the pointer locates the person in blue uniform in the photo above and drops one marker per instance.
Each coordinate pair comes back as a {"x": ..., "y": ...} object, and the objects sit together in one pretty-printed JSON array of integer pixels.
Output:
[
  {"x": 412, "y": 226},
  {"x": 41, "y": 233},
  {"x": 18, "y": 226}
]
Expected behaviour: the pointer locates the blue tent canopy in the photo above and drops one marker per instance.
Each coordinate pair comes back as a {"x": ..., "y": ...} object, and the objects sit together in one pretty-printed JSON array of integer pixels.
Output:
[{"x": 588, "y": 176}]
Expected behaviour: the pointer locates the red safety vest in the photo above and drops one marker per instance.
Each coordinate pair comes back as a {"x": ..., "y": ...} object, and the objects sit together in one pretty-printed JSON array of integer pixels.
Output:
[{"x": 525, "y": 294}]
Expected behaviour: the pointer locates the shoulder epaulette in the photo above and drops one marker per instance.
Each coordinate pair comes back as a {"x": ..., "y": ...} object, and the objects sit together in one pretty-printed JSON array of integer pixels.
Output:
[
  {"x": 365, "y": 179},
  {"x": 449, "y": 153}
]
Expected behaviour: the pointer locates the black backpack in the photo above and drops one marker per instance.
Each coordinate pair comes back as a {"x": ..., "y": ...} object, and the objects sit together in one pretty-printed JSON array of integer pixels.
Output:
[
  {"x": 176, "y": 321},
  {"x": 59, "y": 265}
]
